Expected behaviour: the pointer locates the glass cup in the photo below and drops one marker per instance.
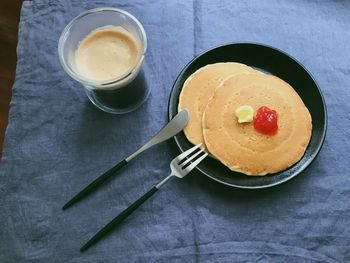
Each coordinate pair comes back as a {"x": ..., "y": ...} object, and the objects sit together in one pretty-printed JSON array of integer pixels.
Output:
[{"x": 122, "y": 94}]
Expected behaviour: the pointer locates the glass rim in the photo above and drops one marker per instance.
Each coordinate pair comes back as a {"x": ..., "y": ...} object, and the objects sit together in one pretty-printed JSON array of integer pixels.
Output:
[{"x": 82, "y": 79}]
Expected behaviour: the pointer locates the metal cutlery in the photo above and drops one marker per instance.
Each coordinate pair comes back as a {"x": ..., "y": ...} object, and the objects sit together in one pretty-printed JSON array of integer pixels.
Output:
[
  {"x": 180, "y": 167},
  {"x": 176, "y": 125}
]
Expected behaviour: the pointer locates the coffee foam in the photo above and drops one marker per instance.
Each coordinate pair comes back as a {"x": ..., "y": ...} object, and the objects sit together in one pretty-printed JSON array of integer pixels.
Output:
[{"x": 107, "y": 53}]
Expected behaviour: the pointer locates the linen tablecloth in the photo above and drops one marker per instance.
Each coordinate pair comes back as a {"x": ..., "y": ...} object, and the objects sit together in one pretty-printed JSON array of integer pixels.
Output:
[{"x": 57, "y": 141}]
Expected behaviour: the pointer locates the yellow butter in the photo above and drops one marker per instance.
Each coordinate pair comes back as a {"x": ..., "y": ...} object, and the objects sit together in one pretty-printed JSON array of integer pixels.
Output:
[{"x": 244, "y": 113}]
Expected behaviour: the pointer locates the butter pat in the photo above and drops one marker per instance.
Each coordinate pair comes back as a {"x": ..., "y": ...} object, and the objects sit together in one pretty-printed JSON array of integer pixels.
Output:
[{"x": 244, "y": 113}]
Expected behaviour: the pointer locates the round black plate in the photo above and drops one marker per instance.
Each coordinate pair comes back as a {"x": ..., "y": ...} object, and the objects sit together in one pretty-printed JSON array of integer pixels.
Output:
[{"x": 280, "y": 64}]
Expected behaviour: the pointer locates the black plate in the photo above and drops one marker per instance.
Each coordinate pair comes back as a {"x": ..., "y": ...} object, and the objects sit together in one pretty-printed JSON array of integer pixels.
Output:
[{"x": 280, "y": 64}]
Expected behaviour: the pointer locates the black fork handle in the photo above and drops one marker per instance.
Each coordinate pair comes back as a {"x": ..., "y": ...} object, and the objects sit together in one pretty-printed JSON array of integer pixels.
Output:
[{"x": 118, "y": 219}]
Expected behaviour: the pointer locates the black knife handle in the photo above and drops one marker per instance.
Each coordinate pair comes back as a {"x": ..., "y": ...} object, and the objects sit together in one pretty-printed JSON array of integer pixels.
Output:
[
  {"x": 95, "y": 184},
  {"x": 118, "y": 219}
]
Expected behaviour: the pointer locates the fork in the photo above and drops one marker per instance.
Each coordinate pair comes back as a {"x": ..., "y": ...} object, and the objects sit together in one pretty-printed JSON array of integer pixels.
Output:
[{"x": 180, "y": 167}]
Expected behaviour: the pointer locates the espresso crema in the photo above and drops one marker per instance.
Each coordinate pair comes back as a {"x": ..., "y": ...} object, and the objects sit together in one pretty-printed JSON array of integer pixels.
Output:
[{"x": 107, "y": 53}]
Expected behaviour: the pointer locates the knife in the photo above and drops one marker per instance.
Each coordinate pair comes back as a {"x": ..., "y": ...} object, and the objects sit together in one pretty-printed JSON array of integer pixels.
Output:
[{"x": 176, "y": 125}]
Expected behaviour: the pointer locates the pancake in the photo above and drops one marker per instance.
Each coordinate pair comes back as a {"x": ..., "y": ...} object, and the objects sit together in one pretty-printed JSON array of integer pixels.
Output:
[
  {"x": 238, "y": 145},
  {"x": 199, "y": 88}
]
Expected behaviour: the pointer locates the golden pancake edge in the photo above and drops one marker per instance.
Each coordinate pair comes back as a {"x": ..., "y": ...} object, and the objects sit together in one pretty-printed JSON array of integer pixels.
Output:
[
  {"x": 239, "y": 146},
  {"x": 199, "y": 88}
]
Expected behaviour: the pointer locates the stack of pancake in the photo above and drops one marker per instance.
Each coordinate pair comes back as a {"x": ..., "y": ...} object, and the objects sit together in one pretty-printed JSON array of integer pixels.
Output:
[{"x": 214, "y": 92}]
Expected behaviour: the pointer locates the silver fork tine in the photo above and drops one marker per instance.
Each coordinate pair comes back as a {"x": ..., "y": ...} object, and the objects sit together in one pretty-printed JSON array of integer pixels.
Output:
[
  {"x": 191, "y": 158},
  {"x": 195, "y": 163},
  {"x": 186, "y": 153}
]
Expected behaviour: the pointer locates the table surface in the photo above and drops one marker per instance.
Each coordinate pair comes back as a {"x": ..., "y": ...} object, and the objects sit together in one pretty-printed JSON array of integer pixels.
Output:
[
  {"x": 57, "y": 142},
  {"x": 9, "y": 18}
]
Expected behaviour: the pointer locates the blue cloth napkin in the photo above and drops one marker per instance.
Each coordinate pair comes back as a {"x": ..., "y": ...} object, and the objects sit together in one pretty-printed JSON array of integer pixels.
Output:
[{"x": 57, "y": 142}]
